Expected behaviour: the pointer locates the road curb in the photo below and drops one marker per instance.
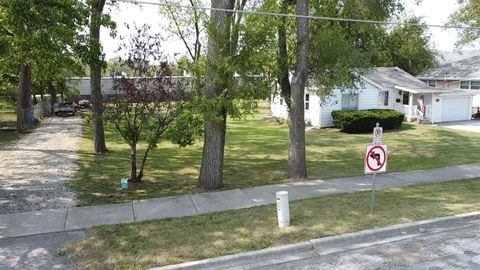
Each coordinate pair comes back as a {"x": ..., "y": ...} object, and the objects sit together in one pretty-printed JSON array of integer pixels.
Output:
[
  {"x": 325, "y": 244},
  {"x": 235, "y": 260},
  {"x": 328, "y": 245}
]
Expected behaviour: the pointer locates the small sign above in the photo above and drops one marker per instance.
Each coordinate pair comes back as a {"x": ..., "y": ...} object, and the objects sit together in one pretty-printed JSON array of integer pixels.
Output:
[{"x": 377, "y": 135}]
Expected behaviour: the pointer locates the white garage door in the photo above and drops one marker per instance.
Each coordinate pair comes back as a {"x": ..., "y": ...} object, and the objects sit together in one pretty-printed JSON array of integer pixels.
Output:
[{"x": 456, "y": 109}]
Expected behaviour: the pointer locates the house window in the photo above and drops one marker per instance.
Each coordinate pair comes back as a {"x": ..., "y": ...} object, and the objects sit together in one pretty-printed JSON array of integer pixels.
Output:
[
  {"x": 281, "y": 101},
  {"x": 307, "y": 102},
  {"x": 349, "y": 101},
  {"x": 405, "y": 98},
  {"x": 464, "y": 85},
  {"x": 383, "y": 98},
  {"x": 475, "y": 85},
  {"x": 432, "y": 83}
]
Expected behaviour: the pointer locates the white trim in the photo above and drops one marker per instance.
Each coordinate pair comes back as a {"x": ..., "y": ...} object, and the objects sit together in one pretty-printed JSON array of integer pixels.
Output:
[{"x": 457, "y": 94}]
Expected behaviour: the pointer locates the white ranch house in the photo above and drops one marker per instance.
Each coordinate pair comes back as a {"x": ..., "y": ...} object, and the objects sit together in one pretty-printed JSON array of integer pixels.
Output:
[{"x": 385, "y": 88}]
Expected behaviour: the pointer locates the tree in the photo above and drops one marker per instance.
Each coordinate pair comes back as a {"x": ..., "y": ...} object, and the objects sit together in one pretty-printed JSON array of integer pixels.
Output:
[
  {"x": 211, "y": 171},
  {"x": 231, "y": 87},
  {"x": 297, "y": 160},
  {"x": 467, "y": 17},
  {"x": 94, "y": 58},
  {"x": 408, "y": 47},
  {"x": 147, "y": 104},
  {"x": 33, "y": 30},
  {"x": 225, "y": 77}
]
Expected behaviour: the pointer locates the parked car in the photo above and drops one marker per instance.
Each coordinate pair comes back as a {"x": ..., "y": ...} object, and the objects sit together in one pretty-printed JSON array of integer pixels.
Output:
[
  {"x": 62, "y": 108},
  {"x": 84, "y": 103}
]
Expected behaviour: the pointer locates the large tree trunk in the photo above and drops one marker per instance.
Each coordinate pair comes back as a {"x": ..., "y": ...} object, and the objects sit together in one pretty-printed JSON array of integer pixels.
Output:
[
  {"x": 297, "y": 161},
  {"x": 211, "y": 171},
  {"x": 95, "y": 79},
  {"x": 282, "y": 77},
  {"x": 24, "y": 102}
]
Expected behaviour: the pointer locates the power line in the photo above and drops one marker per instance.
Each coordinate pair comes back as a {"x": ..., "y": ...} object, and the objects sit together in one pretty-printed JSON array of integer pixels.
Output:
[{"x": 312, "y": 17}]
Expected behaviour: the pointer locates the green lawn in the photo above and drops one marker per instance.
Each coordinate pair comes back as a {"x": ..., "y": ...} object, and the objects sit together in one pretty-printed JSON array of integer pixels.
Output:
[
  {"x": 256, "y": 154},
  {"x": 8, "y": 118},
  {"x": 154, "y": 243}
]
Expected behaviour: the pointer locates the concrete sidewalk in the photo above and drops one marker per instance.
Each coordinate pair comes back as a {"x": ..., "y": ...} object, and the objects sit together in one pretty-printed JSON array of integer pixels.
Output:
[{"x": 76, "y": 218}]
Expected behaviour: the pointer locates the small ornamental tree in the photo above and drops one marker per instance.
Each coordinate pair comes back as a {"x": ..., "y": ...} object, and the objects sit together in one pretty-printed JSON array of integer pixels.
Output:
[{"x": 147, "y": 105}]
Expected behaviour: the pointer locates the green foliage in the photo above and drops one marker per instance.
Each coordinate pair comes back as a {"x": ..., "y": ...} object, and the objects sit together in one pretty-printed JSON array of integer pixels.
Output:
[
  {"x": 187, "y": 126},
  {"x": 37, "y": 30},
  {"x": 467, "y": 16},
  {"x": 341, "y": 49},
  {"x": 365, "y": 120},
  {"x": 41, "y": 34},
  {"x": 245, "y": 53},
  {"x": 408, "y": 47},
  {"x": 338, "y": 49}
]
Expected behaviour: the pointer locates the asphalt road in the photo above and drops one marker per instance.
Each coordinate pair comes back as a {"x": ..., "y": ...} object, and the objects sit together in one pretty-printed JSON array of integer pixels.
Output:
[
  {"x": 456, "y": 249},
  {"x": 36, "y": 251}
]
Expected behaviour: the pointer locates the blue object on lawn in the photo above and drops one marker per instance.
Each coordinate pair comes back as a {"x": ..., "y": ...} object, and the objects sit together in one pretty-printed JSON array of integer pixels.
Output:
[{"x": 124, "y": 183}]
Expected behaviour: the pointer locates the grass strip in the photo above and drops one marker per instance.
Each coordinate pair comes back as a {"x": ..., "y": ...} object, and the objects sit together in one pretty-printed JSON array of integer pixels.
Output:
[{"x": 170, "y": 241}]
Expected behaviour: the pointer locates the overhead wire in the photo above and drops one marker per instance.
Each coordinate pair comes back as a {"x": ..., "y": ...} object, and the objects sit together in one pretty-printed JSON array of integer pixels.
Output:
[{"x": 312, "y": 17}]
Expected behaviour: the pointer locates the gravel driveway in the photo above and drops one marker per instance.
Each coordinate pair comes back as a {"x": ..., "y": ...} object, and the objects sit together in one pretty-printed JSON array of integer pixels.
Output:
[{"x": 33, "y": 171}]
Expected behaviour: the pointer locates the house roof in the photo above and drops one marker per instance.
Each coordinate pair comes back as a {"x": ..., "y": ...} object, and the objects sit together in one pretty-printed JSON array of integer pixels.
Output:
[
  {"x": 463, "y": 69},
  {"x": 395, "y": 78}
]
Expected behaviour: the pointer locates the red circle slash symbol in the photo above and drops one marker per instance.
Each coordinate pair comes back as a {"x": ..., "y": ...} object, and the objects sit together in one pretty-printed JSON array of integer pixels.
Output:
[{"x": 372, "y": 154}]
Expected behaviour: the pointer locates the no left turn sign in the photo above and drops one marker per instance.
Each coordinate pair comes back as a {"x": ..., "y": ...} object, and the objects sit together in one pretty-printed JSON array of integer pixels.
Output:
[{"x": 376, "y": 159}]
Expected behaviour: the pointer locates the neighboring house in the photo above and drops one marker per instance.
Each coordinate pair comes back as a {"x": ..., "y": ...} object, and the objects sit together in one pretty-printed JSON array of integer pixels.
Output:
[
  {"x": 83, "y": 85},
  {"x": 458, "y": 71},
  {"x": 384, "y": 88}
]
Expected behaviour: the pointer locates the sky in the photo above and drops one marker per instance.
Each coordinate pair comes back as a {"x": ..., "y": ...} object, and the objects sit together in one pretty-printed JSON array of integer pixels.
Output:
[{"x": 432, "y": 11}]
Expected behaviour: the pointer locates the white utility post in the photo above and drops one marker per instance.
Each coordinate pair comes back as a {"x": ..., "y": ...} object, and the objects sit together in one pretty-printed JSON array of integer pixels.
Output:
[{"x": 283, "y": 211}]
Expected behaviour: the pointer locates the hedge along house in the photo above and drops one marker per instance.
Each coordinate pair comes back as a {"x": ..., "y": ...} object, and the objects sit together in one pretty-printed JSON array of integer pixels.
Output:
[{"x": 384, "y": 88}]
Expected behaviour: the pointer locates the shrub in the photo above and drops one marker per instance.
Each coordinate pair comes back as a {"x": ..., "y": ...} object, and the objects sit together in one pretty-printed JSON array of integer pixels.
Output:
[{"x": 365, "y": 120}]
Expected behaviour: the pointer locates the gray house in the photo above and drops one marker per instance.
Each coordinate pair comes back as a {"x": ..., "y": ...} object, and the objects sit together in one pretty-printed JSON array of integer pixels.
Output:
[{"x": 457, "y": 71}]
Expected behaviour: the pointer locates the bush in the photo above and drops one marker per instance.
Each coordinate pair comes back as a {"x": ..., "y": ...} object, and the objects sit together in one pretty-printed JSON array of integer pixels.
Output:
[{"x": 365, "y": 120}]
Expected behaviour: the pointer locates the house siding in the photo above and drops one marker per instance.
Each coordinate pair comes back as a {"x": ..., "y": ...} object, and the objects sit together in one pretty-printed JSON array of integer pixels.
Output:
[
  {"x": 278, "y": 110},
  {"x": 333, "y": 103},
  {"x": 368, "y": 98},
  {"x": 312, "y": 115},
  {"x": 83, "y": 86}
]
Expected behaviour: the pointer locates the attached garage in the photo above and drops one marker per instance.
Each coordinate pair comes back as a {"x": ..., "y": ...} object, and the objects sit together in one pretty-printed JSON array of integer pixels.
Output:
[{"x": 456, "y": 108}]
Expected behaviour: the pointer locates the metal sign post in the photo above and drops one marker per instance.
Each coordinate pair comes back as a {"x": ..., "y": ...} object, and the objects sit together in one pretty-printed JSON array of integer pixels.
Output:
[
  {"x": 373, "y": 201},
  {"x": 375, "y": 160}
]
